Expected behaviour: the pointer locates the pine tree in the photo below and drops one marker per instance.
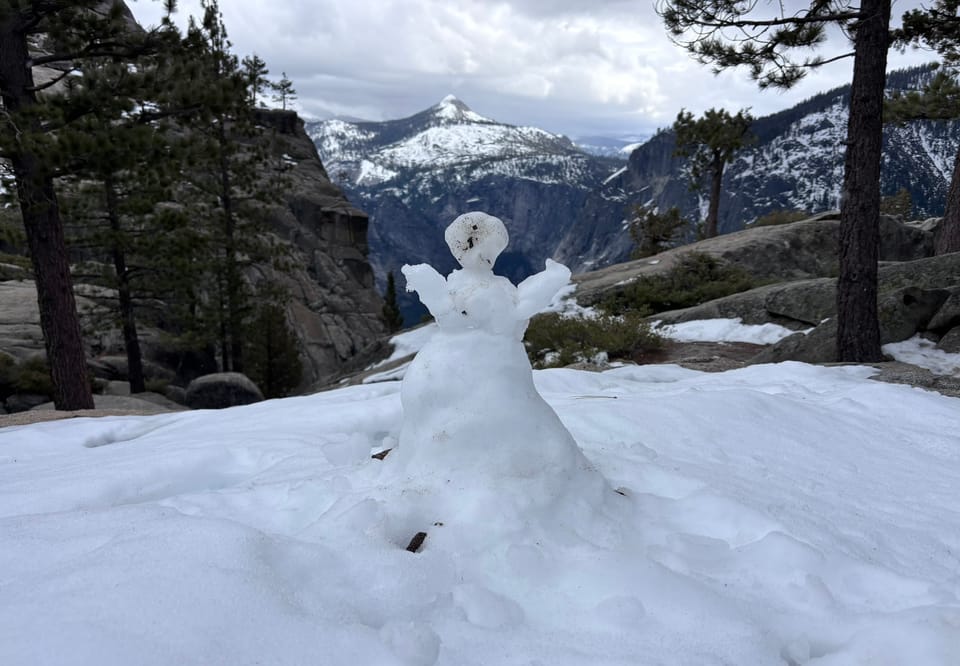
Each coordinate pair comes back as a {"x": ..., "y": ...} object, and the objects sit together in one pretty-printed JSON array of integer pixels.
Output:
[
  {"x": 60, "y": 36},
  {"x": 729, "y": 34},
  {"x": 710, "y": 142},
  {"x": 284, "y": 92},
  {"x": 653, "y": 232},
  {"x": 272, "y": 357},
  {"x": 391, "y": 310},
  {"x": 128, "y": 159},
  {"x": 255, "y": 72},
  {"x": 230, "y": 182}
]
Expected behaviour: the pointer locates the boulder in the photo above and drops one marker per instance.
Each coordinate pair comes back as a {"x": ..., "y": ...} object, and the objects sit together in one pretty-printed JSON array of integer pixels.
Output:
[
  {"x": 805, "y": 301},
  {"x": 817, "y": 346},
  {"x": 950, "y": 342},
  {"x": 21, "y": 402},
  {"x": 220, "y": 390},
  {"x": 948, "y": 316},
  {"x": 903, "y": 312}
]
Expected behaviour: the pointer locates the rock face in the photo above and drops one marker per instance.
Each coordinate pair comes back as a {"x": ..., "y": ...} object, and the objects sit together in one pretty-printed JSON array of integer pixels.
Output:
[
  {"x": 805, "y": 249},
  {"x": 335, "y": 308},
  {"x": 221, "y": 390}
]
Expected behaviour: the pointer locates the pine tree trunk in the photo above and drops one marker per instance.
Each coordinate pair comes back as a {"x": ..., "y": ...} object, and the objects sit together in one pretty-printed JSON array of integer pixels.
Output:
[
  {"x": 713, "y": 211},
  {"x": 234, "y": 285},
  {"x": 948, "y": 234},
  {"x": 858, "y": 329},
  {"x": 45, "y": 238},
  {"x": 128, "y": 322}
]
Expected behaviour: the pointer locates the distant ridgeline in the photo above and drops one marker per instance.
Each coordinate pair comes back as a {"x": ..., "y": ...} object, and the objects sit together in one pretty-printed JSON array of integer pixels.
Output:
[
  {"x": 797, "y": 163},
  {"x": 414, "y": 175}
]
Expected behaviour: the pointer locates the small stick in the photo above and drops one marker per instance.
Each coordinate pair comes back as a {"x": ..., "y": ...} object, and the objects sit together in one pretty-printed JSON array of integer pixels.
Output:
[{"x": 416, "y": 542}]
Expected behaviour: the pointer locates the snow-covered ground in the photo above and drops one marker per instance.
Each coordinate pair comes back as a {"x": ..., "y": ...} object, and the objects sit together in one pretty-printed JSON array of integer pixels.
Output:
[{"x": 779, "y": 514}]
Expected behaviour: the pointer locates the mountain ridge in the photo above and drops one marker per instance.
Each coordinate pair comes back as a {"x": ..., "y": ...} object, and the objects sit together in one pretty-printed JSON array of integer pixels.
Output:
[{"x": 414, "y": 175}]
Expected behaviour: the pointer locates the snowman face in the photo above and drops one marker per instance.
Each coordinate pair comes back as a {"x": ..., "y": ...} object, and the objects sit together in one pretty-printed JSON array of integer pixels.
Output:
[{"x": 476, "y": 240}]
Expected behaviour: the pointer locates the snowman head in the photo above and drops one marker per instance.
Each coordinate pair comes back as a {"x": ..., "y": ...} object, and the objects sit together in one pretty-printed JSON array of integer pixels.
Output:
[{"x": 476, "y": 240}]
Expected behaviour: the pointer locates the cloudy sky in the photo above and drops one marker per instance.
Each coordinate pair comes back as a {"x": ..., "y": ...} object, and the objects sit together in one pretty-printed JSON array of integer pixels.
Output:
[{"x": 576, "y": 67}]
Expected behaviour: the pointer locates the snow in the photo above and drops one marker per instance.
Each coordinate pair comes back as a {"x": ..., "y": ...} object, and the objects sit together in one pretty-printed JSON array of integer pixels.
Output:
[
  {"x": 925, "y": 354},
  {"x": 772, "y": 515},
  {"x": 451, "y": 108},
  {"x": 452, "y": 144},
  {"x": 723, "y": 330},
  {"x": 615, "y": 174},
  {"x": 409, "y": 342},
  {"x": 779, "y": 514},
  {"x": 371, "y": 173}
]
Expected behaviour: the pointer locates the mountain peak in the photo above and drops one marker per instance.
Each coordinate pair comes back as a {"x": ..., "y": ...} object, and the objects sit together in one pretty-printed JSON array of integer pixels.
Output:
[{"x": 453, "y": 109}]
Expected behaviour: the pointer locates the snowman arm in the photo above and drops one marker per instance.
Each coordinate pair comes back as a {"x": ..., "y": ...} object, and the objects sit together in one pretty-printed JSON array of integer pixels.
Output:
[
  {"x": 430, "y": 286},
  {"x": 536, "y": 292}
]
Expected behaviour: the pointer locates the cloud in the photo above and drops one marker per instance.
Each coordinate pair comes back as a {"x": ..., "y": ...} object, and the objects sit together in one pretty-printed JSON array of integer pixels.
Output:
[{"x": 570, "y": 66}]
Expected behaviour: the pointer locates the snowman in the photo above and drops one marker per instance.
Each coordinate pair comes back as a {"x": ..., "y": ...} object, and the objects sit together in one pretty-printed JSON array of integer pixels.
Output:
[{"x": 474, "y": 425}]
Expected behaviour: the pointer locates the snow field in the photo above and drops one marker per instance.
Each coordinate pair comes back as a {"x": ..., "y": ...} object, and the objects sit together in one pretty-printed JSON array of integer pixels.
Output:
[{"x": 784, "y": 514}]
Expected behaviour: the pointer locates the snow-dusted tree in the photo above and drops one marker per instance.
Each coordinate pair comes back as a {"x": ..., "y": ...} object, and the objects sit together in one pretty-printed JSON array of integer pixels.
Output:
[{"x": 284, "y": 92}]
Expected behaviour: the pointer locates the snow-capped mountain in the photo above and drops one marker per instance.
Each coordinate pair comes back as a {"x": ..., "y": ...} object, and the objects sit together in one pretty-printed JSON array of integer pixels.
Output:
[{"x": 415, "y": 175}]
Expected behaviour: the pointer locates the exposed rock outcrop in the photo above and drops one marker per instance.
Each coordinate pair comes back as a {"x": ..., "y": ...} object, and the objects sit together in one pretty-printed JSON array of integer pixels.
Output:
[
  {"x": 221, "y": 390},
  {"x": 805, "y": 249},
  {"x": 335, "y": 308}
]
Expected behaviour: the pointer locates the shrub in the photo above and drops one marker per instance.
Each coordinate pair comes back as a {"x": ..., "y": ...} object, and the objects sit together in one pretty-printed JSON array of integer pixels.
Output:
[
  {"x": 653, "y": 232},
  {"x": 899, "y": 204},
  {"x": 33, "y": 376},
  {"x": 272, "y": 357},
  {"x": 697, "y": 278},
  {"x": 554, "y": 340},
  {"x": 157, "y": 385},
  {"x": 775, "y": 217}
]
